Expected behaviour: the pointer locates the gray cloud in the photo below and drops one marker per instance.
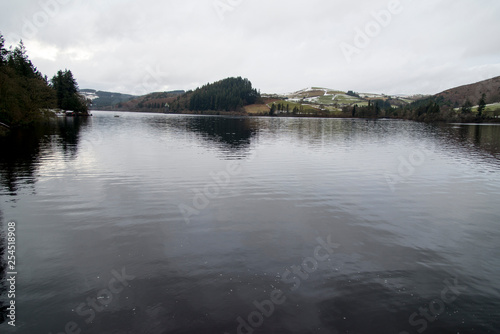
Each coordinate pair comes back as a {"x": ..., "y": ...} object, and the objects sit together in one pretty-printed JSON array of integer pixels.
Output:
[{"x": 141, "y": 46}]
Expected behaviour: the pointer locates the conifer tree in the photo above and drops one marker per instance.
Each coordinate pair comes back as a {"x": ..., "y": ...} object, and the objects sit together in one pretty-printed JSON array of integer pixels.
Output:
[
  {"x": 482, "y": 105},
  {"x": 3, "y": 51},
  {"x": 467, "y": 107},
  {"x": 273, "y": 109}
]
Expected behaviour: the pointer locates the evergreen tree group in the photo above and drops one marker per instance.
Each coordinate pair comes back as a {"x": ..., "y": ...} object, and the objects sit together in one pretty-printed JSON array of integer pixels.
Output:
[
  {"x": 374, "y": 109},
  {"x": 25, "y": 92},
  {"x": 23, "y": 89},
  {"x": 281, "y": 108},
  {"x": 230, "y": 94},
  {"x": 67, "y": 92}
]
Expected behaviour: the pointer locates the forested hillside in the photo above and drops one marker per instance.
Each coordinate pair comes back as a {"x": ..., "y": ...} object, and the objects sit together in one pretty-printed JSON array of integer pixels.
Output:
[{"x": 230, "y": 94}]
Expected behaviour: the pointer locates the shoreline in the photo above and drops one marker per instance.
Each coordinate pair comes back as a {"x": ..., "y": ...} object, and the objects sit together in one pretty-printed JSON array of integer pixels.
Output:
[{"x": 458, "y": 120}]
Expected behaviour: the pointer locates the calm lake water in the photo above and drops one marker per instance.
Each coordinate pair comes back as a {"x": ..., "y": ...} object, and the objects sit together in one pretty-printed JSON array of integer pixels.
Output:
[{"x": 182, "y": 224}]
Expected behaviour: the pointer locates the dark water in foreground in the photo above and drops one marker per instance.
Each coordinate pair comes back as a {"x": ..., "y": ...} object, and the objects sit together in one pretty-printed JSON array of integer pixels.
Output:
[{"x": 175, "y": 224}]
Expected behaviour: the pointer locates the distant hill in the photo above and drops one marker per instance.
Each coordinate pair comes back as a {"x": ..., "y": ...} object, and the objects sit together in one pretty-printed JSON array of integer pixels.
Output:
[
  {"x": 105, "y": 100},
  {"x": 327, "y": 102},
  {"x": 332, "y": 97},
  {"x": 456, "y": 97},
  {"x": 116, "y": 101},
  {"x": 154, "y": 102}
]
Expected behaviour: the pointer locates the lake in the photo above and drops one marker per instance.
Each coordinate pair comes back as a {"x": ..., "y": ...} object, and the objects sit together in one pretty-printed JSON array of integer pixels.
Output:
[{"x": 149, "y": 223}]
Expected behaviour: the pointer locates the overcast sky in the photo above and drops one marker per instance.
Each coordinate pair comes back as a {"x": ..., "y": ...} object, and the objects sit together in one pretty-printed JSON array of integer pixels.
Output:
[{"x": 379, "y": 46}]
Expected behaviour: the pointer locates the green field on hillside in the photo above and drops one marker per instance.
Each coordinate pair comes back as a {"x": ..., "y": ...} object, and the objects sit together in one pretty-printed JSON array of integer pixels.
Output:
[
  {"x": 326, "y": 99},
  {"x": 489, "y": 107},
  {"x": 346, "y": 99}
]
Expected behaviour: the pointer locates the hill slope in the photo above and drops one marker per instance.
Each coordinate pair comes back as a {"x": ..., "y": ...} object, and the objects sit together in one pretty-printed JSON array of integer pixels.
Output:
[
  {"x": 154, "y": 102},
  {"x": 332, "y": 97},
  {"x": 331, "y": 102},
  {"x": 456, "y": 97},
  {"x": 105, "y": 100}
]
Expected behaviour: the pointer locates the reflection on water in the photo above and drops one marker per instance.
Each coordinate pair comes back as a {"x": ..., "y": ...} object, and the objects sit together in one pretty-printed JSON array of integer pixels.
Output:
[
  {"x": 483, "y": 137},
  {"x": 96, "y": 199},
  {"x": 23, "y": 151},
  {"x": 231, "y": 135}
]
